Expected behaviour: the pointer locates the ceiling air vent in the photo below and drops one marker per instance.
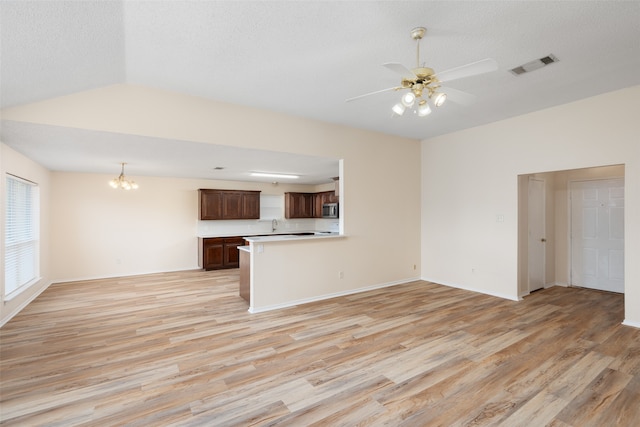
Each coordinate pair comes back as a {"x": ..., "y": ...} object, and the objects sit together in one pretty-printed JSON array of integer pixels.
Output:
[{"x": 534, "y": 65}]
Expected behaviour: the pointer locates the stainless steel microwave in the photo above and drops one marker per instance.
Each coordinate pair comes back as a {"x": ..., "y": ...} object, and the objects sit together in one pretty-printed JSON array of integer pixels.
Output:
[{"x": 330, "y": 210}]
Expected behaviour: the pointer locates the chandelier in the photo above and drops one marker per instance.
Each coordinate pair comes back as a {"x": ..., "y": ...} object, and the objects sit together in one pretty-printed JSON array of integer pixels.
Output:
[{"x": 122, "y": 182}]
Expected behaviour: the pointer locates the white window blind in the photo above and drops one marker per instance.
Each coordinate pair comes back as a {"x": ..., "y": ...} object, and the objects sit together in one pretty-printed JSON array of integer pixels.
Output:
[{"x": 21, "y": 234}]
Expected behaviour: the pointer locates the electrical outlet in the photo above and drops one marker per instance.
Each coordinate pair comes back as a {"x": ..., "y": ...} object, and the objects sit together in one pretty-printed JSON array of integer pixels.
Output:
[
  {"x": 414, "y": 266},
  {"x": 341, "y": 275}
]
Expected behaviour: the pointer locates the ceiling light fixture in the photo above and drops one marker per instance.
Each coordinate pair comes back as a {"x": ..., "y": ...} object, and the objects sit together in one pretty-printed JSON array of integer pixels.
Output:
[
  {"x": 421, "y": 108},
  {"x": 424, "y": 80},
  {"x": 122, "y": 182},
  {"x": 421, "y": 85},
  {"x": 274, "y": 175}
]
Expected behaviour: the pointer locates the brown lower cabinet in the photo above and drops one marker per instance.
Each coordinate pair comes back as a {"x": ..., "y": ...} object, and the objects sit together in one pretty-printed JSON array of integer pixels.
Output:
[{"x": 217, "y": 253}]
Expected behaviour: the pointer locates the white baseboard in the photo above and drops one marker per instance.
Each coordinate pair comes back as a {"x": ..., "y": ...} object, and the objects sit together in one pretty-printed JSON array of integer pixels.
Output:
[
  {"x": 329, "y": 296},
  {"x": 25, "y": 303},
  {"x": 82, "y": 279},
  {"x": 551, "y": 285},
  {"x": 469, "y": 288},
  {"x": 631, "y": 323}
]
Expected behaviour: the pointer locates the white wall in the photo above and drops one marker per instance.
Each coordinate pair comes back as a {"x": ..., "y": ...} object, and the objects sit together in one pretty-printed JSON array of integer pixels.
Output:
[
  {"x": 471, "y": 176},
  {"x": 16, "y": 164},
  {"x": 380, "y": 200}
]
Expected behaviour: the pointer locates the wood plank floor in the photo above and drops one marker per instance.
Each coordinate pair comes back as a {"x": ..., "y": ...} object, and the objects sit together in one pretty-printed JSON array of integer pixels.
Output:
[{"x": 181, "y": 349}]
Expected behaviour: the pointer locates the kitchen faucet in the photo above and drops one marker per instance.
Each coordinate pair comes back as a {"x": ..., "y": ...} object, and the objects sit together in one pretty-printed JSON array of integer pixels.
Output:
[{"x": 274, "y": 224}]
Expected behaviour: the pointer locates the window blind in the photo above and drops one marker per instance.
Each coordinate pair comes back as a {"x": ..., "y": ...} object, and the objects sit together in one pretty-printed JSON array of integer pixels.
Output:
[{"x": 21, "y": 233}]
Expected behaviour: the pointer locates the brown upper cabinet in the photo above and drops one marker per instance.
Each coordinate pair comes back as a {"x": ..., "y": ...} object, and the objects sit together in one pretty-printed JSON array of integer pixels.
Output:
[
  {"x": 299, "y": 205},
  {"x": 306, "y": 205},
  {"x": 229, "y": 204}
]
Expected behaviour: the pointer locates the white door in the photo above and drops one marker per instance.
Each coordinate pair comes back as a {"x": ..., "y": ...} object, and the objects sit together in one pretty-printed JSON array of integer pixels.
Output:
[
  {"x": 536, "y": 239},
  {"x": 597, "y": 234}
]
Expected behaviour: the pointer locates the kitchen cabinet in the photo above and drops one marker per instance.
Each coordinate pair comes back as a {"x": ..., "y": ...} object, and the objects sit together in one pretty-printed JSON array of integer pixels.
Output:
[
  {"x": 307, "y": 205},
  {"x": 211, "y": 253},
  {"x": 217, "y": 253},
  {"x": 299, "y": 205},
  {"x": 210, "y": 204},
  {"x": 231, "y": 256},
  {"x": 229, "y": 204},
  {"x": 322, "y": 198}
]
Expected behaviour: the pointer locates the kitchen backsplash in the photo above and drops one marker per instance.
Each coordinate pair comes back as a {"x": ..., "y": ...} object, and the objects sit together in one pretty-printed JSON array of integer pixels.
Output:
[{"x": 264, "y": 226}]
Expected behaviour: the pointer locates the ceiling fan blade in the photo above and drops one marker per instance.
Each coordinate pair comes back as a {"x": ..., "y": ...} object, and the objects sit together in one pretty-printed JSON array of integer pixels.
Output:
[
  {"x": 372, "y": 93},
  {"x": 399, "y": 68},
  {"x": 458, "y": 96},
  {"x": 472, "y": 69}
]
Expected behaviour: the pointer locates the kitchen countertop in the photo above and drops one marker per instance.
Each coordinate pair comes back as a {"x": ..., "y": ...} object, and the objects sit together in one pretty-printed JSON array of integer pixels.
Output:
[
  {"x": 274, "y": 234},
  {"x": 289, "y": 237}
]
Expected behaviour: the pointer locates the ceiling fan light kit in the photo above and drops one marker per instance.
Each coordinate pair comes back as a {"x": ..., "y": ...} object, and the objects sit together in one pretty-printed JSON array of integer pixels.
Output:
[{"x": 423, "y": 83}]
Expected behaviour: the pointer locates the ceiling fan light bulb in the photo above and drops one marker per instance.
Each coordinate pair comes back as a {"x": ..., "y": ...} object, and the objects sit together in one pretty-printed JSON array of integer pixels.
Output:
[
  {"x": 424, "y": 109},
  {"x": 439, "y": 98},
  {"x": 398, "y": 109},
  {"x": 408, "y": 99}
]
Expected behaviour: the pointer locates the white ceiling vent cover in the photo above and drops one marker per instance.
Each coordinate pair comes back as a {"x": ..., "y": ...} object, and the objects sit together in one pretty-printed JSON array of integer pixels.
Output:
[{"x": 534, "y": 65}]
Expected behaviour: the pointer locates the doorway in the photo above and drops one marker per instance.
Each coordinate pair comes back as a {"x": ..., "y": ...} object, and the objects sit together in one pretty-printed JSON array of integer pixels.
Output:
[{"x": 550, "y": 208}]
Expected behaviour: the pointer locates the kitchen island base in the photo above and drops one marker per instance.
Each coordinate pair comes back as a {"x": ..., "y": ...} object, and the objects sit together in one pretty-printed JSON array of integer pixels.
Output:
[{"x": 245, "y": 273}]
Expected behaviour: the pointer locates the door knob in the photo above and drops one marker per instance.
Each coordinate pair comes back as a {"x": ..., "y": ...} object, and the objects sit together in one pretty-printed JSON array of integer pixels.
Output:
[{"x": 543, "y": 240}]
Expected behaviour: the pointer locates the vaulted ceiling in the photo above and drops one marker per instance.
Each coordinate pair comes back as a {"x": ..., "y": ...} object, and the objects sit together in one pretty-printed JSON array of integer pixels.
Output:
[{"x": 305, "y": 58}]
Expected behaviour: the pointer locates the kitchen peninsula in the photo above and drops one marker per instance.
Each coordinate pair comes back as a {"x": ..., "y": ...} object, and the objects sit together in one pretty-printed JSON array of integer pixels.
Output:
[{"x": 253, "y": 272}]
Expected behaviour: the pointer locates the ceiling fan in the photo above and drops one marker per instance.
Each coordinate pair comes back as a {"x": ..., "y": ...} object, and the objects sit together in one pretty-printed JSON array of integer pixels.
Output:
[{"x": 423, "y": 83}]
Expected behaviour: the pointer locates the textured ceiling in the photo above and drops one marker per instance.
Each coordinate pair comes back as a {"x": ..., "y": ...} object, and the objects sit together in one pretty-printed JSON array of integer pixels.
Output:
[{"x": 306, "y": 57}]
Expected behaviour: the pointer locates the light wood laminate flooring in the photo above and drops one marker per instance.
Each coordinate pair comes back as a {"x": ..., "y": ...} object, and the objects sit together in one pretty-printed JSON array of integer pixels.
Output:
[{"x": 181, "y": 349}]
